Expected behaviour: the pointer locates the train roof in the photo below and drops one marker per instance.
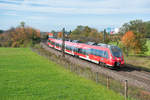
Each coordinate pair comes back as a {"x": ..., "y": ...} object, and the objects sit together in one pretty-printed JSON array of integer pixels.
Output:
[
  {"x": 88, "y": 45},
  {"x": 77, "y": 41},
  {"x": 91, "y": 43}
]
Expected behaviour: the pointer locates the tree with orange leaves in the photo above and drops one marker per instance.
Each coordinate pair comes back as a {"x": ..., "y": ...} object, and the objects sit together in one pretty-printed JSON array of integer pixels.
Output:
[
  {"x": 128, "y": 41},
  {"x": 21, "y": 36},
  {"x": 134, "y": 42}
]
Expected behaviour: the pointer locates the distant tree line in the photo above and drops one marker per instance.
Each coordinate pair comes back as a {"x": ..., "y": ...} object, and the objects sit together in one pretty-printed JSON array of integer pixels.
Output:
[
  {"x": 131, "y": 37},
  {"x": 137, "y": 26},
  {"x": 21, "y": 36}
]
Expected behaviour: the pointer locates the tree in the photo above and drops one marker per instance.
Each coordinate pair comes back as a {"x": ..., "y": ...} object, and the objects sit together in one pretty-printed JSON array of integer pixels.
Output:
[
  {"x": 85, "y": 33},
  {"x": 22, "y": 24},
  {"x": 116, "y": 38},
  {"x": 137, "y": 26},
  {"x": 141, "y": 46},
  {"x": 20, "y": 37},
  {"x": 101, "y": 37},
  {"x": 106, "y": 38},
  {"x": 1, "y": 31},
  {"x": 128, "y": 41},
  {"x": 147, "y": 29},
  {"x": 134, "y": 42}
]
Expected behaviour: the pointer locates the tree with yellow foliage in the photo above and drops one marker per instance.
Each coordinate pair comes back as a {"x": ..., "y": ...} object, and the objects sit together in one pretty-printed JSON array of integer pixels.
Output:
[{"x": 21, "y": 36}]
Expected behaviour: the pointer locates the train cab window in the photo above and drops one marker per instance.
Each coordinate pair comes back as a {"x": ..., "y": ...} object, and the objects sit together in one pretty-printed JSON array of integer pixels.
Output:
[{"x": 116, "y": 51}]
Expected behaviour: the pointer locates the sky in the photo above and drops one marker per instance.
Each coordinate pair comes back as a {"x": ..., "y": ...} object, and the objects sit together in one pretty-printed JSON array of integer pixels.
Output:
[{"x": 48, "y": 15}]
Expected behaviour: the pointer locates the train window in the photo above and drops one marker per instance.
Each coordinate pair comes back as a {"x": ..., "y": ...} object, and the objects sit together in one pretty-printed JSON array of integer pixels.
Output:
[
  {"x": 72, "y": 48},
  {"x": 79, "y": 50},
  {"x": 88, "y": 51},
  {"x": 93, "y": 51},
  {"x": 106, "y": 54},
  {"x": 97, "y": 52},
  {"x": 76, "y": 50},
  {"x": 60, "y": 45},
  {"x": 83, "y": 51},
  {"x": 116, "y": 51},
  {"x": 100, "y": 53},
  {"x": 57, "y": 44},
  {"x": 67, "y": 47}
]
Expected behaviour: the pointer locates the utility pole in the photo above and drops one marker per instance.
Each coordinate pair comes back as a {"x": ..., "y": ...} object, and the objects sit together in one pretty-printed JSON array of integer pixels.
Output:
[
  {"x": 63, "y": 42},
  {"x": 104, "y": 36}
]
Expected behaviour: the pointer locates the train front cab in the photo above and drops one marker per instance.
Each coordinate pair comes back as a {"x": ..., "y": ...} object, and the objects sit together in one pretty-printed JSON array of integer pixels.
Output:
[{"x": 115, "y": 57}]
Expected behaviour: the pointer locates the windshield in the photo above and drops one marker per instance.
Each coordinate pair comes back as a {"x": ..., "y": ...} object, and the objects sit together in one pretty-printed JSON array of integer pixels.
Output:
[{"x": 116, "y": 51}]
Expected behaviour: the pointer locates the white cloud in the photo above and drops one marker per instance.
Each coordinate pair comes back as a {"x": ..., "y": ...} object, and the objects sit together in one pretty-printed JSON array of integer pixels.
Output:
[
  {"x": 80, "y": 7},
  {"x": 10, "y": 13}
]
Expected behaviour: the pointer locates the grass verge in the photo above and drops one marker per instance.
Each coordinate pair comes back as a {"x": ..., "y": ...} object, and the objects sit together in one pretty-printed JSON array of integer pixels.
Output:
[{"x": 25, "y": 75}]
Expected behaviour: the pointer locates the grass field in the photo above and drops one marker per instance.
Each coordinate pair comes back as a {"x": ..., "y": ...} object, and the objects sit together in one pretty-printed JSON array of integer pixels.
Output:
[
  {"x": 148, "y": 45},
  {"x": 24, "y": 75},
  {"x": 143, "y": 62}
]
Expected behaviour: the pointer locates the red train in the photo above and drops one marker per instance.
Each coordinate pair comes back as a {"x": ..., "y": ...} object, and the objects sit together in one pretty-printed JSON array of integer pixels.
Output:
[{"x": 103, "y": 54}]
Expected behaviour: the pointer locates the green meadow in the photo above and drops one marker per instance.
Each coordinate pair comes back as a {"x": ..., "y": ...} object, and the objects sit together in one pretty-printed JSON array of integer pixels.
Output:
[{"x": 24, "y": 75}]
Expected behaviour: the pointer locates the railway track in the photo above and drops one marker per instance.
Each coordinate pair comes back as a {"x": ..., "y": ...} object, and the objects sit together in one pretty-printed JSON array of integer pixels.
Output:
[{"x": 134, "y": 76}]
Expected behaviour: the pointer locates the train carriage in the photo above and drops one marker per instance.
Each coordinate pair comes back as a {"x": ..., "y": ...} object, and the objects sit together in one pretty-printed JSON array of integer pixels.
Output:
[{"x": 107, "y": 55}]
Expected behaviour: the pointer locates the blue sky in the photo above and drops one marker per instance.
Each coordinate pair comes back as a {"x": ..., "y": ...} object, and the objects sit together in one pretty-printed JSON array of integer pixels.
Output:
[{"x": 48, "y": 15}]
